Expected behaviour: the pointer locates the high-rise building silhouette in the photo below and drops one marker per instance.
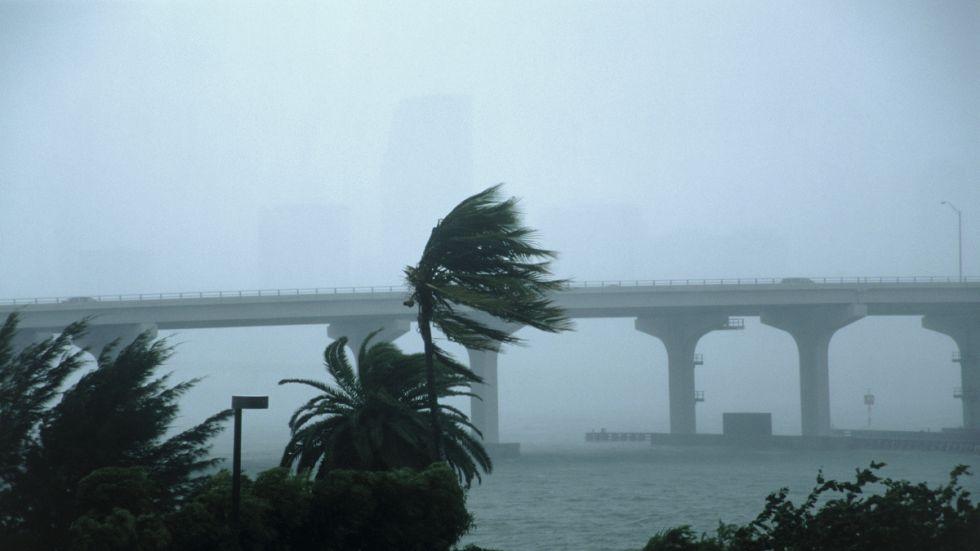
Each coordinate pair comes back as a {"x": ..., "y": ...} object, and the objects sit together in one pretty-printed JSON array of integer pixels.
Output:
[
  {"x": 427, "y": 168},
  {"x": 304, "y": 245}
]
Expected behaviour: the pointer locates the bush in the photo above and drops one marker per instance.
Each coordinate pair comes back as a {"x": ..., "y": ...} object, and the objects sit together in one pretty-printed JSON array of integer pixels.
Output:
[
  {"x": 345, "y": 511},
  {"x": 682, "y": 538},
  {"x": 120, "y": 512},
  {"x": 904, "y": 516},
  {"x": 401, "y": 509}
]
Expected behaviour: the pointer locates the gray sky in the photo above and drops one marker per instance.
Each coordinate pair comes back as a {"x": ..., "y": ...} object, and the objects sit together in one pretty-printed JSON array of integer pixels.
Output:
[{"x": 200, "y": 146}]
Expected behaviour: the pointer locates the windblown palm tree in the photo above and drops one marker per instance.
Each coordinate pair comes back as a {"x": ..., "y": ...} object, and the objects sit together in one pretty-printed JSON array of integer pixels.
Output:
[
  {"x": 376, "y": 419},
  {"x": 480, "y": 258}
]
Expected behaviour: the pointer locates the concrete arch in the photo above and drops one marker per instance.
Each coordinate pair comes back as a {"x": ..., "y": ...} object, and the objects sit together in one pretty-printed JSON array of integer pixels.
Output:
[{"x": 754, "y": 370}]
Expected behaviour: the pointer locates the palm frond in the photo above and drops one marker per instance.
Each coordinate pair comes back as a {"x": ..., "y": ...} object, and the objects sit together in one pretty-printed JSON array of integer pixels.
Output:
[{"x": 376, "y": 419}]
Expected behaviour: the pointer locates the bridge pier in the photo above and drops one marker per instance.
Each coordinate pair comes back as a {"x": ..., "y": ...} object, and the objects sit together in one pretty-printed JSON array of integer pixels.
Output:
[
  {"x": 812, "y": 327},
  {"x": 358, "y": 330},
  {"x": 484, "y": 408},
  {"x": 680, "y": 334},
  {"x": 964, "y": 329},
  {"x": 97, "y": 337}
]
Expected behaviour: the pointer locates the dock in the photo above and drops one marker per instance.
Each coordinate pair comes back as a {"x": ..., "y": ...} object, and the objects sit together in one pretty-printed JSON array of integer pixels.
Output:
[{"x": 947, "y": 440}]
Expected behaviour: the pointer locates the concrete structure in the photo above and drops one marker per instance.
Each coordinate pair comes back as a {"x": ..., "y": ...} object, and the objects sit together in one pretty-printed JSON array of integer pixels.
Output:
[
  {"x": 812, "y": 327},
  {"x": 680, "y": 333},
  {"x": 746, "y": 424},
  {"x": 679, "y": 312},
  {"x": 964, "y": 329}
]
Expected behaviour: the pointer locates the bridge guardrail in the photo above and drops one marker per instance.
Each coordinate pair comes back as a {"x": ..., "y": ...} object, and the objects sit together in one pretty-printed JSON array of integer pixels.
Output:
[{"x": 144, "y": 297}]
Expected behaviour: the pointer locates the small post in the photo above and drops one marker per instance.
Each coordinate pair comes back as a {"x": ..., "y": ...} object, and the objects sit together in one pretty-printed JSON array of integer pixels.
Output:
[
  {"x": 236, "y": 468},
  {"x": 238, "y": 403}
]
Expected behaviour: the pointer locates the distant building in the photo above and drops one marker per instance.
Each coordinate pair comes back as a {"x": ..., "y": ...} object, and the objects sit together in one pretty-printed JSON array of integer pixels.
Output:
[
  {"x": 304, "y": 245},
  {"x": 614, "y": 244},
  {"x": 427, "y": 168},
  {"x": 90, "y": 272}
]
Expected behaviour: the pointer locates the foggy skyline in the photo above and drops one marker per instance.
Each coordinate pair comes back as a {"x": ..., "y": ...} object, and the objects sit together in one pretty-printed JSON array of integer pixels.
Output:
[{"x": 646, "y": 140}]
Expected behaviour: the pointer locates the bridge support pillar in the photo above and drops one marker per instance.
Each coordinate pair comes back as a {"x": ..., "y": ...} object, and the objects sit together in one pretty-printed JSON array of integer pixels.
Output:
[
  {"x": 964, "y": 329},
  {"x": 484, "y": 408},
  {"x": 358, "y": 330},
  {"x": 812, "y": 327},
  {"x": 97, "y": 337},
  {"x": 680, "y": 334}
]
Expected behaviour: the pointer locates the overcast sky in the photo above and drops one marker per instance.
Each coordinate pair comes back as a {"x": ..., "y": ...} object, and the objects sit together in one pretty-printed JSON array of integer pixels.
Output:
[{"x": 199, "y": 146}]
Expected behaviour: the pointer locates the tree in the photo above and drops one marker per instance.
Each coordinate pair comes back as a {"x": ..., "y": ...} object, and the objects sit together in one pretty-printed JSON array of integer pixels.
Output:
[
  {"x": 116, "y": 415},
  {"x": 479, "y": 258},
  {"x": 29, "y": 381},
  {"x": 376, "y": 419}
]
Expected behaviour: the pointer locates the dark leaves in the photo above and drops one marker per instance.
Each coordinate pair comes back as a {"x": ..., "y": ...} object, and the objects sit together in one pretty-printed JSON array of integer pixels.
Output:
[{"x": 374, "y": 418}]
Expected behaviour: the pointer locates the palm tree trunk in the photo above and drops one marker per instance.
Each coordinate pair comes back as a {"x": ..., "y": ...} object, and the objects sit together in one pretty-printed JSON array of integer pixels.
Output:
[{"x": 425, "y": 328}]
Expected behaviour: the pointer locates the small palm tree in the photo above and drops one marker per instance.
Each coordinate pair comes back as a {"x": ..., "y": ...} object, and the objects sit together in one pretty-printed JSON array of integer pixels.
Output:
[
  {"x": 376, "y": 419},
  {"x": 480, "y": 258}
]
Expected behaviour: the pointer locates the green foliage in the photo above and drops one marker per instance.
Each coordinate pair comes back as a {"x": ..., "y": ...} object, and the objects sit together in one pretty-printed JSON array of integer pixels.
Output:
[
  {"x": 903, "y": 516},
  {"x": 480, "y": 256},
  {"x": 401, "y": 509},
  {"x": 273, "y": 514},
  {"x": 119, "y": 531},
  {"x": 374, "y": 419},
  {"x": 682, "y": 538},
  {"x": 29, "y": 382},
  {"x": 345, "y": 511},
  {"x": 120, "y": 512},
  {"x": 109, "y": 488},
  {"x": 116, "y": 415}
]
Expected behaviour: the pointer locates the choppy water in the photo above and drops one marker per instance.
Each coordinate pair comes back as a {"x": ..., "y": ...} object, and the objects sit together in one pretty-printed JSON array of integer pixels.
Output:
[
  {"x": 599, "y": 497},
  {"x": 614, "y": 497}
]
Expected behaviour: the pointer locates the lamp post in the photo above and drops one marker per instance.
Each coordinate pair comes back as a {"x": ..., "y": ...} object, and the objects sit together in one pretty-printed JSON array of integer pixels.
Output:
[
  {"x": 238, "y": 403},
  {"x": 959, "y": 230}
]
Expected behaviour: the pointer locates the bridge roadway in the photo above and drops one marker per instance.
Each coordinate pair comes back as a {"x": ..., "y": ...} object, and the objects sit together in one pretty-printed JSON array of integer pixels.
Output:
[{"x": 678, "y": 312}]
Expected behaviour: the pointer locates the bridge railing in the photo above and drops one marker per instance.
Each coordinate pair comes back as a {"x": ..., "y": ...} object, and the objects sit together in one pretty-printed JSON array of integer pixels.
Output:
[
  {"x": 600, "y": 284},
  {"x": 773, "y": 281}
]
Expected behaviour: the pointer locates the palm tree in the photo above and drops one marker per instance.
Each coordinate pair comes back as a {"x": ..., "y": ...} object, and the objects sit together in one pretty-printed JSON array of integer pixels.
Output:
[
  {"x": 480, "y": 258},
  {"x": 375, "y": 419}
]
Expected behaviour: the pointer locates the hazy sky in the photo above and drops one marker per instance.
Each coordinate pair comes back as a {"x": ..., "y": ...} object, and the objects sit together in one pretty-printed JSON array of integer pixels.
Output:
[{"x": 191, "y": 146}]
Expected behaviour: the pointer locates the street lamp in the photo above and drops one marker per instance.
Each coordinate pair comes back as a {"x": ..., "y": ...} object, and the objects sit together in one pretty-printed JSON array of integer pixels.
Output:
[
  {"x": 959, "y": 227},
  {"x": 238, "y": 403}
]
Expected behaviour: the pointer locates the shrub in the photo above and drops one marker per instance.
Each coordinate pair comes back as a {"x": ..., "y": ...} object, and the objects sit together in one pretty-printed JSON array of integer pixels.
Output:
[
  {"x": 904, "y": 516},
  {"x": 402, "y": 509},
  {"x": 345, "y": 511},
  {"x": 120, "y": 512}
]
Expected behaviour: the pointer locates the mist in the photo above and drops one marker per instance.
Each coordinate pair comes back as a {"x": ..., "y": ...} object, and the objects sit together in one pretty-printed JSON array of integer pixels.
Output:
[{"x": 151, "y": 147}]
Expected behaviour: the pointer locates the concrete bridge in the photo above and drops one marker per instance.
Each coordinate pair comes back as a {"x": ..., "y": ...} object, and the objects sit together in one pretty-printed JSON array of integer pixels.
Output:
[{"x": 678, "y": 312}]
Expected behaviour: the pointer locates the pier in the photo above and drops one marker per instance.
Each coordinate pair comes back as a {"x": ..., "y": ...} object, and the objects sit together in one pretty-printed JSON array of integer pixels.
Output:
[{"x": 953, "y": 440}]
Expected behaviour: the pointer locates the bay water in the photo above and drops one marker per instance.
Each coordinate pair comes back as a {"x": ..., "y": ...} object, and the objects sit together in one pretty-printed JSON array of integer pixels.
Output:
[{"x": 615, "y": 496}]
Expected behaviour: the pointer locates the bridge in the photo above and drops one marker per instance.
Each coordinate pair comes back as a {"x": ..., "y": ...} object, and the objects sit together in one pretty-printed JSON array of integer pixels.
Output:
[{"x": 678, "y": 312}]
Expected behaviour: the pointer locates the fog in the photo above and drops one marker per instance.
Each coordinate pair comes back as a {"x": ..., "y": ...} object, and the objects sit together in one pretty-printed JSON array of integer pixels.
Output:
[{"x": 149, "y": 147}]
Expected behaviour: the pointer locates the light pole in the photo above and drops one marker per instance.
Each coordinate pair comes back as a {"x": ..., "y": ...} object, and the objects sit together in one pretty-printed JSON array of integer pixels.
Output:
[
  {"x": 238, "y": 403},
  {"x": 959, "y": 230}
]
